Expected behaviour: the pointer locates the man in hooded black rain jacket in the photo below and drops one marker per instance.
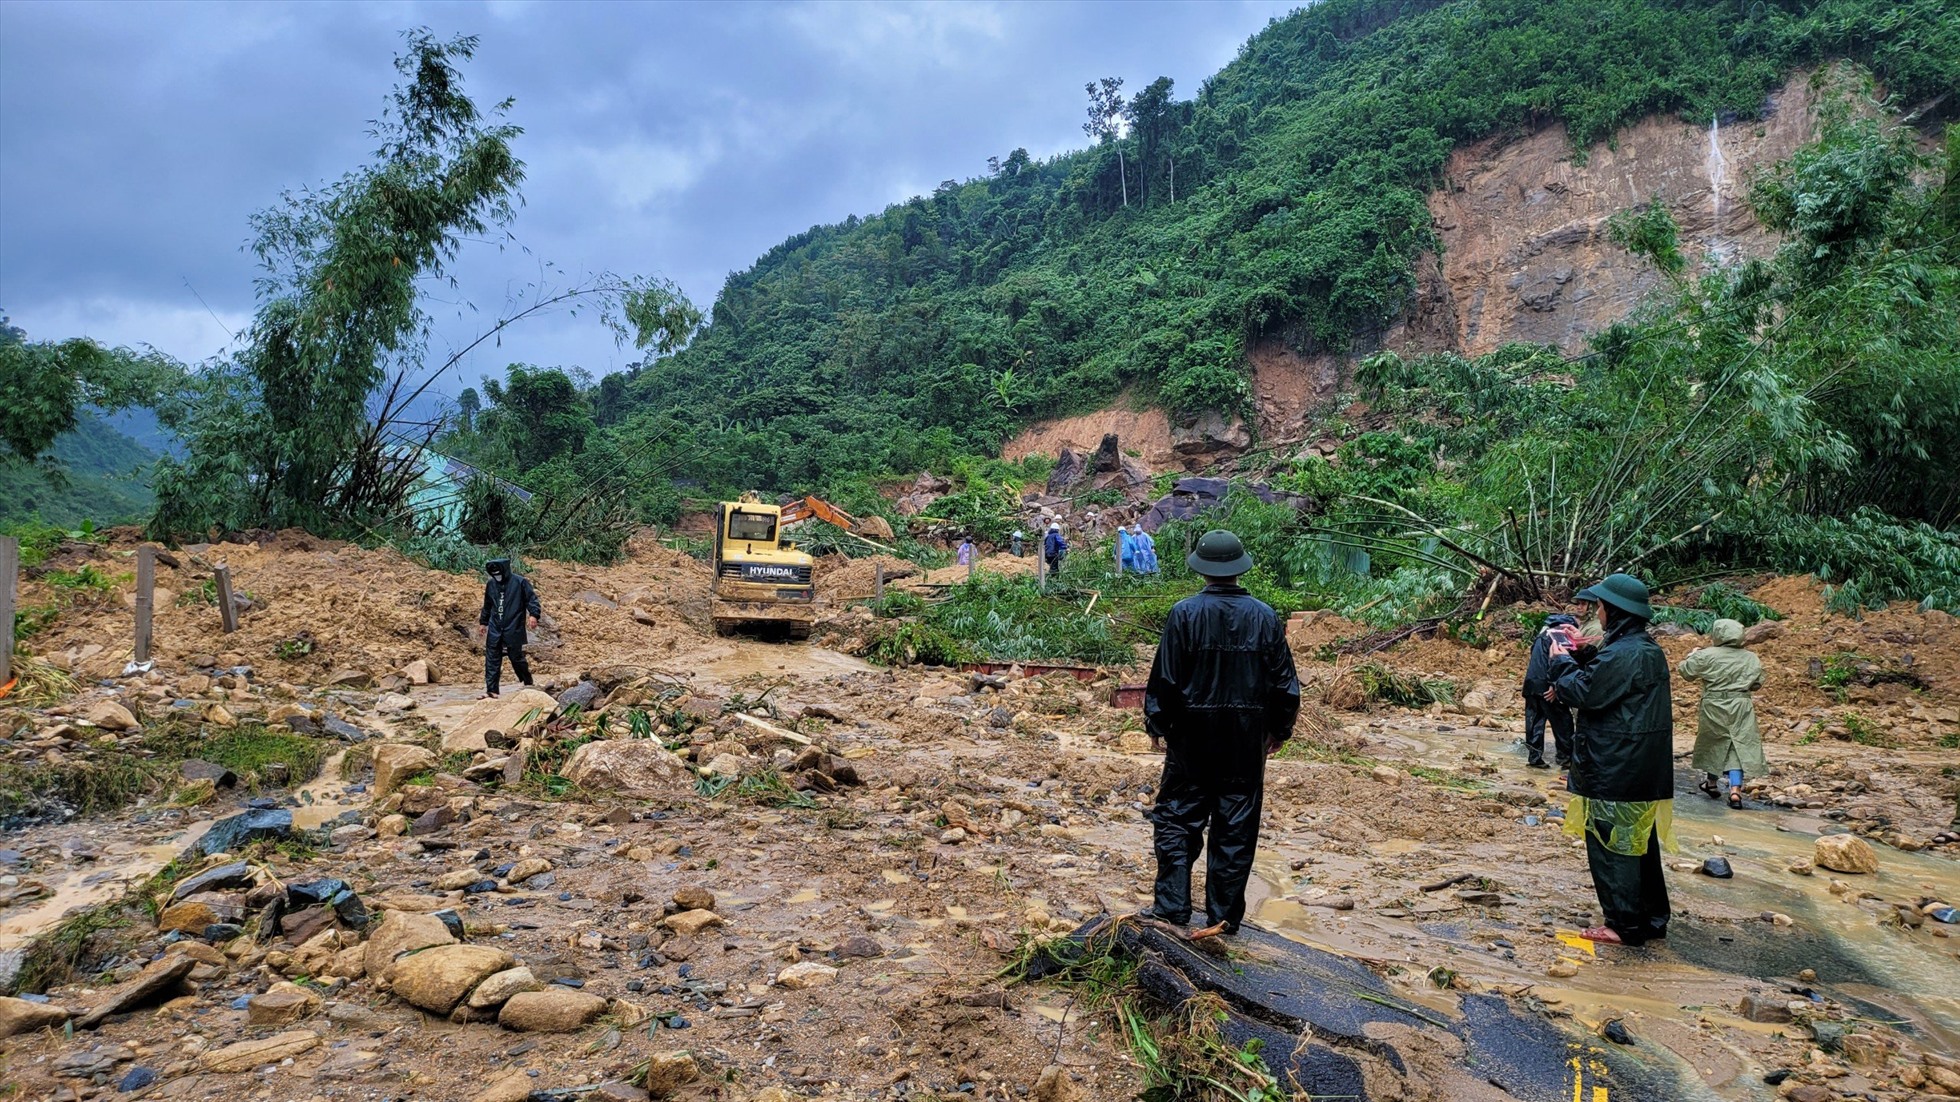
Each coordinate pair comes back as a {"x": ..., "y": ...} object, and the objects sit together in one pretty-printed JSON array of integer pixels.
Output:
[
  {"x": 507, "y": 600},
  {"x": 1622, "y": 761},
  {"x": 1222, "y": 696},
  {"x": 1540, "y": 713}
]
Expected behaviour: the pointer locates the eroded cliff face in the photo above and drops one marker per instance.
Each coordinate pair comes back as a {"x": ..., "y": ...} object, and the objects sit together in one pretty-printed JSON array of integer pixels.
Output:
[
  {"x": 1525, "y": 253},
  {"x": 1525, "y": 257}
]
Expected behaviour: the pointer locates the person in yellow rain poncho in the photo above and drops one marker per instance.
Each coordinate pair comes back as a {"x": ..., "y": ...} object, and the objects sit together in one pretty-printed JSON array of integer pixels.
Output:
[
  {"x": 1727, "y": 743},
  {"x": 1622, "y": 777}
]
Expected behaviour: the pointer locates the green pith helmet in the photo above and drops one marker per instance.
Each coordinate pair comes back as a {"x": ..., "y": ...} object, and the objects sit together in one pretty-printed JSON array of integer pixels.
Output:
[
  {"x": 1219, "y": 554},
  {"x": 1623, "y": 591}
]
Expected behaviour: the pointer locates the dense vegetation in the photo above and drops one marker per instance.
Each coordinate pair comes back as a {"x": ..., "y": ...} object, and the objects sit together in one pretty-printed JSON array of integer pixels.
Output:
[{"x": 1283, "y": 202}]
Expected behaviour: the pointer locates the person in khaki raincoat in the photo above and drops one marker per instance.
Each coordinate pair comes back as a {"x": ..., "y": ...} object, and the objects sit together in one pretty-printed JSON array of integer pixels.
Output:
[{"x": 1726, "y": 739}]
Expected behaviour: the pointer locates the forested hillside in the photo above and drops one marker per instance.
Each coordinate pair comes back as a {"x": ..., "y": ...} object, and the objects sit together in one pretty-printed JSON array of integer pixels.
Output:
[
  {"x": 94, "y": 473},
  {"x": 1284, "y": 200}
]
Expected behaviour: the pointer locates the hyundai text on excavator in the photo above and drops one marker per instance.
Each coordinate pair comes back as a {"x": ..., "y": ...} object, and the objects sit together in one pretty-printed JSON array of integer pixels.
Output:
[{"x": 760, "y": 577}]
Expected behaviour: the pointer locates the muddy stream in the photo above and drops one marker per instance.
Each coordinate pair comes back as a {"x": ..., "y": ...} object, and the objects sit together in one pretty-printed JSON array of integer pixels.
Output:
[{"x": 1723, "y": 948}]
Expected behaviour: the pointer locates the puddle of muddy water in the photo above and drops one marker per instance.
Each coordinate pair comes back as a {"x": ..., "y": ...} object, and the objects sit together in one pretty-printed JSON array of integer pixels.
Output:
[
  {"x": 118, "y": 869},
  {"x": 1723, "y": 948}
]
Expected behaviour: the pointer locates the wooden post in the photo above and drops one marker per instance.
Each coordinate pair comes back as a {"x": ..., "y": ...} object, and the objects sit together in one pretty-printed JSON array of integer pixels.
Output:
[
  {"x": 1041, "y": 568},
  {"x": 880, "y": 582},
  {"x": 227, "y": 612},
  {"x": 146, "y": 583},
  {"x": 9, "y": 578},
  {"x": 971, "y": 560}
]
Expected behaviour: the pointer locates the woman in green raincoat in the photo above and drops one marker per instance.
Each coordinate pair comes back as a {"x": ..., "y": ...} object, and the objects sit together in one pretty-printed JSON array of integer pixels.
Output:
[{"x": 1726, "y": 739}]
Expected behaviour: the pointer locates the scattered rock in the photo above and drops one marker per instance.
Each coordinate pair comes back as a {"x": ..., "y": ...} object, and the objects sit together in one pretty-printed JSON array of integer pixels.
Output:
[
  {"x": 1562, "y": 968},
  {"x": 394, "y": 762},
  {"x": 670, "y": 1071},
  {"x": 498, "y": 989},
  {"x": 1387, "y": 774},
  {"x": 804, "y": 974},
  {"x": 1845, "y": 853},
  {"x": 552, "y": 1010},
  {"x": 418, "y": 672},
  {"x": 1054, "y": 1085},
  {"x": 694, "y": 897},
  {"x": 283, "y": 1004},
  {"x": 110, "y": 716},
  {"x": 403, "y": 932},
  {"x": 188, "y": 917},
  {"x": 158, "y": 980},
  {"x": 235, "y": 833},
  {"x": 1615, "y": 1031},
  {"x": 437, "y": 979},
  {"x": 506, "y": 714},
  {"x": 246, "y": 1055},
  {"x": 19, "y": 1016},
  {"x": 514, "y": 1087},
  {"x": 692, "y": 922},
  {"x": 1800, "y": 866},
  {"x": 135, "y": 1079},
  {"x": 192, "y": 769},
  {"x": 627, "y": 767},
  {"x": 527, "y": 868},
  {"x": 1717, "y": 867},
  {"x": 584, "y": 695},
  {"x": 1757, "y": 1008}
]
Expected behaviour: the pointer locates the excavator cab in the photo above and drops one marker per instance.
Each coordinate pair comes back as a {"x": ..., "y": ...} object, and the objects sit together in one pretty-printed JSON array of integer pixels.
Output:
[{"x": 761, "y": 579}]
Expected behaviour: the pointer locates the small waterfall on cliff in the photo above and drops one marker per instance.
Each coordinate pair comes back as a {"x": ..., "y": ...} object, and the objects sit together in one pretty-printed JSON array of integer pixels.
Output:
[{"x": 1718, "y": 176}]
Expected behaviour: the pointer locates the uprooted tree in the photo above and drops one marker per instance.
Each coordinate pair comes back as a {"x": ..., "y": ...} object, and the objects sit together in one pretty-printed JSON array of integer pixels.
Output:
[{"x": 308, "y": 424}]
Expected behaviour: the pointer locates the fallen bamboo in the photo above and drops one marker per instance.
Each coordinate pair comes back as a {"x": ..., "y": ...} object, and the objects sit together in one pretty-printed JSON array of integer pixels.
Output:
[{"x": 767, "y": 727}]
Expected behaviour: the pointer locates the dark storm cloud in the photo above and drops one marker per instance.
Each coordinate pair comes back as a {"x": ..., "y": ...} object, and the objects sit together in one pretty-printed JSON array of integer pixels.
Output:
[{"x": 673, "y": 139}]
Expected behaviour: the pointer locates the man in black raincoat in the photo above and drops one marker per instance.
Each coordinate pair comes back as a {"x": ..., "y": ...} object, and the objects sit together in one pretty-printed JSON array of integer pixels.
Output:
[
  {"x": 1622, "y": 775},
  {"x": 507, "y": 600},
  {"x": 1540, "y": 713},
  {"x": 1222, "y": 696}
]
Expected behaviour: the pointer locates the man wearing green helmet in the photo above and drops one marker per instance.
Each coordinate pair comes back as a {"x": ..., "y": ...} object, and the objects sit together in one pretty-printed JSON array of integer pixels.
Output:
[
  {"x": 1222, "y": 697},
  {"x": 1622, "y": 777}
]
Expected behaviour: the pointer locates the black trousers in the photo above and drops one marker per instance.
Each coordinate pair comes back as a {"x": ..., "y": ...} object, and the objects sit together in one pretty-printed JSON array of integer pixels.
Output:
[
  {"x": 1540, "y": 713},
  {"x": 1632, "y": 890},
  {"x": 495, "y": 647},
  {"x": 1185, "y": 809}
]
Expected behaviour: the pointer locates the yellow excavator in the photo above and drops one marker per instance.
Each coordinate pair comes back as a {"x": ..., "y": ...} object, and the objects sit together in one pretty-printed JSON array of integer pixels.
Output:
[{"x": 761, "y": 578}]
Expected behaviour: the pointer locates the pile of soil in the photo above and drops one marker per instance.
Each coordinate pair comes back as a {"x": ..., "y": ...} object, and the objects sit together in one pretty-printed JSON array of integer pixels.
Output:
[
  {"x": 840, "y": 578},
  {"x": 321, "y": 607},
  {"x": 1002, "y": 565}
]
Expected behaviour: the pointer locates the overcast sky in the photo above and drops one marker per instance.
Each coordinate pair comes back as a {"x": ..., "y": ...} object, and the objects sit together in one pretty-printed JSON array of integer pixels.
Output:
[{"x": 672, "y": 139}]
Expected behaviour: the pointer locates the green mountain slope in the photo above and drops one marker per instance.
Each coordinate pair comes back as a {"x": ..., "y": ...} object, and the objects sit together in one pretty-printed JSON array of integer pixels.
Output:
[
  {"x": 105, "y": 478},
  {"x": 1285, "y": 200}
]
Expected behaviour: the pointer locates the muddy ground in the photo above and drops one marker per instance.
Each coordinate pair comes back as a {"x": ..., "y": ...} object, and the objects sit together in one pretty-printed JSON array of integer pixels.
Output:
[{"x": 980, "y": 817}]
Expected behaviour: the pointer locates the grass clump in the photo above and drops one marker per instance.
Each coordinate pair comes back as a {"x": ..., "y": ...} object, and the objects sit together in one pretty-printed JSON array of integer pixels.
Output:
[{"x": 1382, "y": 682}]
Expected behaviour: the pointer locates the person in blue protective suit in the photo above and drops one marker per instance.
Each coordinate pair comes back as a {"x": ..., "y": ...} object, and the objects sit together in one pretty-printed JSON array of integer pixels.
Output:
[
  {"x": 1054, "y": 548},
  {"x": 1622, "y": 777},
  {"x": 508, "y": 600},
  {"x": 1126, "y": 551},
  {"x": 1146, "y": 549},
  {"x": 1222, "y": 697}
]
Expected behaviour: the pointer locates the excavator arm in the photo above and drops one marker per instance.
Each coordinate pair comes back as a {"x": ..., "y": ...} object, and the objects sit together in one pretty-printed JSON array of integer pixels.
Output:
[{"x": 808, "y": 507}]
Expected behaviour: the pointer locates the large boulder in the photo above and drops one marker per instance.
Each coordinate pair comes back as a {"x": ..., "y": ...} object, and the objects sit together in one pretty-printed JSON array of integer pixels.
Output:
[
  {"x": 395, "y": 762},
  {"x": 1210, "y": 432},
  {"x": 403, "y": 932},
  {"x": 1845, "y": 853},
  {"x": 437, "y": 979},
  {"x": 627, "y": 767},
  {"x": 505, "y": 713},
  {"x": 110, "y": 716},
  {"x": 553, "y": 1010},
  {"x": 1071, "y": 467}
]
